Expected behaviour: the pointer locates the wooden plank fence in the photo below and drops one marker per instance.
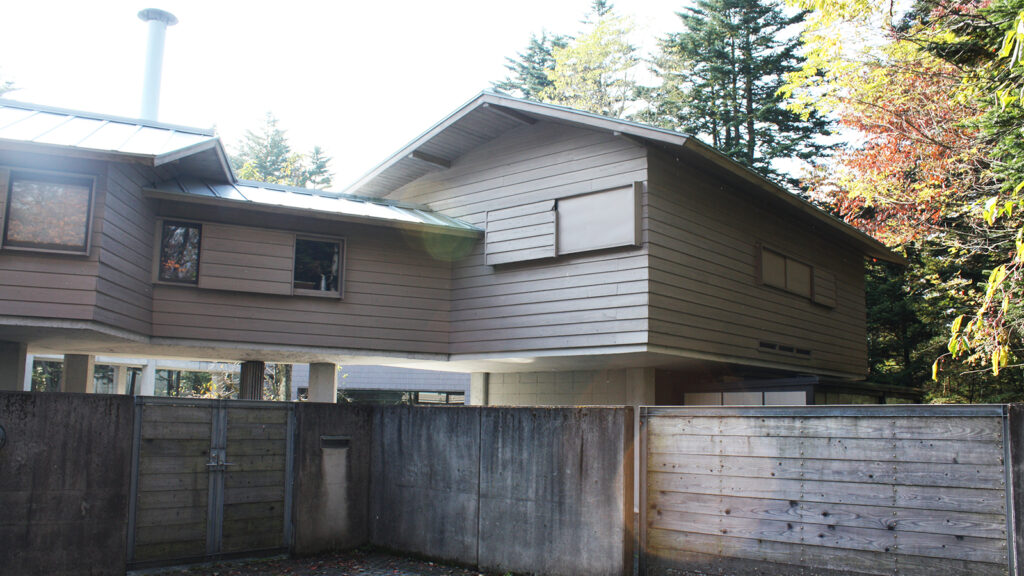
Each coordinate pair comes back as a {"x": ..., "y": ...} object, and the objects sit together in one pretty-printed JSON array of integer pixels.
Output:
[{"x": 874, "y": 490}]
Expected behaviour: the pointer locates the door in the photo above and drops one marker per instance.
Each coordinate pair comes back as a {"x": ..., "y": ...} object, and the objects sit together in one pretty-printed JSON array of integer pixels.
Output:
[{"x": 210, "y": 479}]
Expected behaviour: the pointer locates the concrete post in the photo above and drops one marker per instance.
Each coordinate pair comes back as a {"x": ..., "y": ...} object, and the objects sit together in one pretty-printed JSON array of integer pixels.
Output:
[
  {"x": 121, "y": 379},
  {"x": 78, "y": 374},
  {"x": 13, "y": 356},
  {"x": 250, "y": 381},
  {"x": 30, "y": 362},
  {"x": 147, "y": 384},
  {"x": 323, "y": 382},
  {"x": 479, "y": 388}
]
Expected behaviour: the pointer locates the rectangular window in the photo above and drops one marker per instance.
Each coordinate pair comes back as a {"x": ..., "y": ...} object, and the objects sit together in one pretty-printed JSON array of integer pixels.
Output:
[
  {"x": 607, "y": 219},
  {"x": 318, "y": 265},
  {"x": 786, "y": 273},
  {"x": 48, "y": 212},
  {"x": 179, "y": 252}
]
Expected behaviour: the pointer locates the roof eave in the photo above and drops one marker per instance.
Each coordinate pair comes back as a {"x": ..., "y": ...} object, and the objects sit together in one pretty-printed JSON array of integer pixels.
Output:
[{"x": 308, "y": 213}]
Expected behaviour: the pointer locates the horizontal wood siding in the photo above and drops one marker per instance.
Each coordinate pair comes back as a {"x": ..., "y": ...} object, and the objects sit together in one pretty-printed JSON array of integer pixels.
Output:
[
  {"x": 396, "y": 295},
  {"x": 880, "y": 495},
  {"x": 520, "y": 233},
  {"x": 706, "y": 295},
  {"x": 124, "y": 289},
  {"x": 584, "y": 300},
  {"x": 55, "y": 286},
  {"x": 246, "y": 259}
]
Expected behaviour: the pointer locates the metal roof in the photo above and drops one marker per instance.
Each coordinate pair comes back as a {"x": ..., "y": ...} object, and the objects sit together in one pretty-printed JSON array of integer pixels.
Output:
[
  {"x": 260, "y": 195},
  {"x": 70, "y": 129}
]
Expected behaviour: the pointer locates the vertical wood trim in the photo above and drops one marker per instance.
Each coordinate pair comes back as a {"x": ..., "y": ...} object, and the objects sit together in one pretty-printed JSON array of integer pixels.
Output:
[
  {"x": 629, "y": 518},
  {"x": 1013, "y": 441},
  {"x": 5, "y": 180},
  {"x": 289, "y": 480},
  {"x": 644, "y": 420},
  {"x": 133, "y": 491}
]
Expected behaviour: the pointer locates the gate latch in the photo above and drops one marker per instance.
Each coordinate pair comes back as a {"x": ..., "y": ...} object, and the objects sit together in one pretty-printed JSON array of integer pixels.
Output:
[{"x": 217, "y": 460}]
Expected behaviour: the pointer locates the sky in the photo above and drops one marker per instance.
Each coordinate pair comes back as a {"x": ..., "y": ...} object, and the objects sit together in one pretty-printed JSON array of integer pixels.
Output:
[{"x": 360, "y": 79}]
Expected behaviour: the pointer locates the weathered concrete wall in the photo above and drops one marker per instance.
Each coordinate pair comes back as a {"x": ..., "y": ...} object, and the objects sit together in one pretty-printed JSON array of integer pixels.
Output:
[
  {"x": 545, "y": 491},
  {"x": 332, "y": 477},
  {"x": 64, "y": 483}
]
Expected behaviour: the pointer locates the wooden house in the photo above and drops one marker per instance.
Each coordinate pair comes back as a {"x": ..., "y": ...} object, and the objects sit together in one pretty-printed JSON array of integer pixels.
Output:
[{"x": 559, "y": 256}]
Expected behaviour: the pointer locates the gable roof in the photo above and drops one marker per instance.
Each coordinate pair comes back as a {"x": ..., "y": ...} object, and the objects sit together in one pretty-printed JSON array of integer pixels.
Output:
[{"x": 489, "y": 115}]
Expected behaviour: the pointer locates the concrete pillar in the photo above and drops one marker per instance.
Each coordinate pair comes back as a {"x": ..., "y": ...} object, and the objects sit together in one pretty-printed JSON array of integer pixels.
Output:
[
  {"x": 121, "y": 379},
  {"x": 147, "y": 383},
  {"x": 13, "y": 356},
  {"x": 30, "y": 362},
  {"x": 479, "y": 388},
  {"x": 250, "y": 381},
  {"x": 323, "y": 382},
  {"x": 78, "y": 374}
]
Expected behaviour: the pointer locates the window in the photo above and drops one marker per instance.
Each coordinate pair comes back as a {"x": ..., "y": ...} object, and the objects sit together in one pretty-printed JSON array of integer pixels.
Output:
[
  {"x": 318, "y": 265},
  {"x": 783, "y": 272},
  {"x": 47, "y": 212},
  {"x": 607, "y": 219},
  {"x": 179, "y": 252}
]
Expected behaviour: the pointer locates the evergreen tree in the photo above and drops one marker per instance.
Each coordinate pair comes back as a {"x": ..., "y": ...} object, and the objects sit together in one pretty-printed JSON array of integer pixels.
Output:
[
  {"x": 594, "y": 72},
  {"x": 266, "y": 156},
  {"x": 529, "y": 70},
  {"x": 721, "y": 77}
]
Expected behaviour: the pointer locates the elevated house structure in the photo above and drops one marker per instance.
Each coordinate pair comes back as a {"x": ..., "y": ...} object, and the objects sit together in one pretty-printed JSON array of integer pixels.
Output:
[{"x": 559, "y": 256}]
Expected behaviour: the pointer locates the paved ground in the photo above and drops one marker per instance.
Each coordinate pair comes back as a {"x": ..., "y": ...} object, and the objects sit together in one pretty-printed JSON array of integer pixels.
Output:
[{"x": 356, "y": 563}]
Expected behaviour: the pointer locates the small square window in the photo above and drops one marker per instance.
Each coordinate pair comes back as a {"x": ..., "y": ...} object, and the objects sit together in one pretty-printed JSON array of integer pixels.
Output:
[
  {"x": 48, "y": 212},
  {"x": 179, "y": 252},
  {"x": 317, "y": 267}
]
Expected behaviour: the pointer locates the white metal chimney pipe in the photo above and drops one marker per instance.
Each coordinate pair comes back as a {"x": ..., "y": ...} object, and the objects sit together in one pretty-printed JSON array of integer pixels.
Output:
[{"x": 158, "y": 21}]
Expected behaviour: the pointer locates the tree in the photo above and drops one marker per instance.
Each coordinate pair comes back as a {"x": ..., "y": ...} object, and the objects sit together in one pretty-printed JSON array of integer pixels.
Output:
[
  {"x": 266, "y": 156},
  {"x": 529, "y": 70},
  {"x": 594, "y": 72},
  {"x": 720, "y": 81}
]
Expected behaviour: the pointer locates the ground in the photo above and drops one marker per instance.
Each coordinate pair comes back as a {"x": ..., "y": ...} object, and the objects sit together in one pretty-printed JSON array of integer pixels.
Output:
[{"x": 356, "y": 563}]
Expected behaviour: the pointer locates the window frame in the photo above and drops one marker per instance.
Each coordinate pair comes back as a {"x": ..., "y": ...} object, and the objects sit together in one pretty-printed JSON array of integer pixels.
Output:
[
  {"x": 158, "y": 252},
  {"x": 7, "y": 178},
  {"x": 342, "y": 257},
  {"x": 761, "y": 249}
]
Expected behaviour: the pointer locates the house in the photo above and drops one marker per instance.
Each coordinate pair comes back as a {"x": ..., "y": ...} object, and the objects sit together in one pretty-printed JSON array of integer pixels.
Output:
[{"x": 558, "y": 256}]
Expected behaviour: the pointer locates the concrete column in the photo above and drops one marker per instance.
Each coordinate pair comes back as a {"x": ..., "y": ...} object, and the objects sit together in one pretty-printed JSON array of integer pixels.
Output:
[
  {"x": 323, "y": 382},
  {"x": 250, "y": 381},
  {"x": 30, "y": 362},
  {"x": 13, "y": 357},
  {"x": 479, "y": 389},
  {"x": 78, "y": 374},
  {"x": 147, "y": 383},
  {"x": 121, "y": 379}
]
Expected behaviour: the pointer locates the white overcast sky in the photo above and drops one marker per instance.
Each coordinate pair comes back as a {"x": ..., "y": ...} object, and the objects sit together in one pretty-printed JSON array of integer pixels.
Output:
[{"x": 358, "y": 78}]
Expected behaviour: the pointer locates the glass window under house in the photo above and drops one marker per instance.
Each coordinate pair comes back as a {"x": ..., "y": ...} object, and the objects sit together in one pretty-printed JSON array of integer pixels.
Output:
[
  {"x": 317, "y": 266},
  {"x": 179, "y": 252},
  {"x": 48, "y": 212}
]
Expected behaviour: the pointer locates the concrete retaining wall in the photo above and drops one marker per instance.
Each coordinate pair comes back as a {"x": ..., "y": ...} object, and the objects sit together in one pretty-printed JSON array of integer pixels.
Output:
[
  {"x": 64, "y": 483},
  {"x": 545, "y": 491}
]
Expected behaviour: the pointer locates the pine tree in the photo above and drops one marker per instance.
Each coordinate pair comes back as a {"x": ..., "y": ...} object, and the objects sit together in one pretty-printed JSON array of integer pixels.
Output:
[
  {"x": 266, "y": 156},
  {"x": 529, "y": 70},
  {"x": 721, "y": 77}
]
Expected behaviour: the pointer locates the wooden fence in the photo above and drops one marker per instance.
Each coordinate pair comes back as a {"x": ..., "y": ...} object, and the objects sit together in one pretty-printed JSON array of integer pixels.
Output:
[{"x": 875, "y": 490}]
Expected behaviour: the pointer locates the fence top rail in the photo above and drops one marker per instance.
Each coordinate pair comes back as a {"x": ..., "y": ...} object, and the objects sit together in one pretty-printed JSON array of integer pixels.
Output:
[
  {"x": 832, "y": 411},
  {"x": 210, "y": 402}
]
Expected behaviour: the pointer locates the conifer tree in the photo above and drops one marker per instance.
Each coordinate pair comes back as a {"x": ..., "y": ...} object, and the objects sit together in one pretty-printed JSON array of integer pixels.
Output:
[
  {"x": 266, "y": 156},
  {"x": 529, "y": 70},
  {"x": 721, "y": 75}
]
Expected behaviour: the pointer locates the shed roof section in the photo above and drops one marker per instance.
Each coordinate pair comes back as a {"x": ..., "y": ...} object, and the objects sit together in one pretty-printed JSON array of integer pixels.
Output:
[
  {"x": 86, "y": 134},
  {"x": 263, "y": 196},
  {"x": 489, "y": 115}
]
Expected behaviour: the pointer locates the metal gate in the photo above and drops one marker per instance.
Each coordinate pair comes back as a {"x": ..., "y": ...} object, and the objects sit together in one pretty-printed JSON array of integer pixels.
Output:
[{"x": 210, "y": 479}]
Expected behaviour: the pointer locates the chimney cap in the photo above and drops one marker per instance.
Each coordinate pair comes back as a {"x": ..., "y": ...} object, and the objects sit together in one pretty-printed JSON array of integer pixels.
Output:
[{"x": 157, "y": 14}]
